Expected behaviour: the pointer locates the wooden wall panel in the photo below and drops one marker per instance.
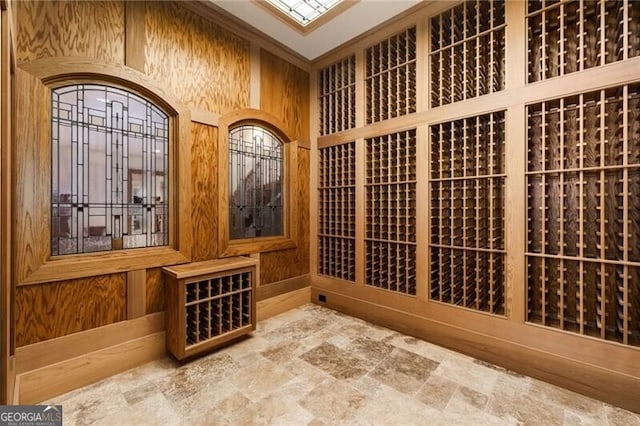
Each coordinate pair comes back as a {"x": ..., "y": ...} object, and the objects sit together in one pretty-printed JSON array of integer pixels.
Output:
[
  {"x": 46, "y": 311},
  {"x": 71, "y": 28},
  {"x": 285, "y": 93},
  {"x": 31, "y": 196},
  {"x": 155, "y": 291},
  {"x": 204, "y": 213},
  {"x": 203, "y": 65},
  {"x": 280, "y": 265}
]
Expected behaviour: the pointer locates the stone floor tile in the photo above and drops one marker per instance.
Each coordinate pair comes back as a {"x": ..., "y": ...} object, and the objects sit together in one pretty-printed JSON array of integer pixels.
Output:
[
  {"x": 260, "y": 380},
  {"x": 404, "y": 371},
  {"x": 333, "y": 402},
  {"x": 318, "y": 367},
  {"x": 436, "y": 392},
  {"x": 469, "y": 374},
  {"x": 339, "y": 363}
]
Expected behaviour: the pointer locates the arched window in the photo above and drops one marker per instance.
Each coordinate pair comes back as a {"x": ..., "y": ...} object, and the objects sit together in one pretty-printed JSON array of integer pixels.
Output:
[
  {"x": 256, "y": 193},
  {"x": 109, "y": 170},
  {"x": 257, "y": 168}
]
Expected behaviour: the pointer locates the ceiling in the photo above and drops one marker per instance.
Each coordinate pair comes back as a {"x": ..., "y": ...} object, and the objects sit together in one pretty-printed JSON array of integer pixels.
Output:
[{"x": 352, "y": 22}]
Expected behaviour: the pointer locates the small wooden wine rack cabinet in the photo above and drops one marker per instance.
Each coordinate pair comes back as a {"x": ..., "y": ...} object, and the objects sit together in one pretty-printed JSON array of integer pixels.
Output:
[{"x": 209, "y": 303}]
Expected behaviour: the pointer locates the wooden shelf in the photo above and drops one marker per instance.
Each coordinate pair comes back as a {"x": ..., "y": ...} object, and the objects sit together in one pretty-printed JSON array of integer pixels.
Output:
[
  {"x": 209, "y": 303},
  {"x": 467, "y": 51},
  {"x": 569, "y": 36},
  {"x": 390, "y": 217},
  {"x": 467, "y": 212},
  {"x": 390, "y": 77},
  {"x": 337, "y": 203},
  {"x": 583, "y": 213},
  {"x": 337, "y": 96}
]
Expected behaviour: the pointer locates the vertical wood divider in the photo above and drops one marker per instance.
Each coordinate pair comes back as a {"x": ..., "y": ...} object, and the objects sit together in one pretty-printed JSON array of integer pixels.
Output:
[
  {"x": 7, "y": 60},
  {"x": 422, "y": 213},
  {"x": 254, "y": 85},
  {"x": 135, "y": 35},
  {"x": 313, "y": 178},
  {"x": 360, "y": 92},
  {"x": 515, "y": 153},
  {"x": 136, "y": 293},
  {"x": 360, "y": 212}
]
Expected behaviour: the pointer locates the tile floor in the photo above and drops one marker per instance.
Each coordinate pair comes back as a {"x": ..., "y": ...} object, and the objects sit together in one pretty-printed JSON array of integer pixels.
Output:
[{"x": 314, "y": 366}]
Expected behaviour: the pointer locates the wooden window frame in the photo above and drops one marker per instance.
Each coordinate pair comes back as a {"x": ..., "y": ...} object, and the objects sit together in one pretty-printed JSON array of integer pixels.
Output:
[
  {"x": 53, "y": 73},
  {"x": 324, "y": 18},
  {"x": 228, "y": 247}
]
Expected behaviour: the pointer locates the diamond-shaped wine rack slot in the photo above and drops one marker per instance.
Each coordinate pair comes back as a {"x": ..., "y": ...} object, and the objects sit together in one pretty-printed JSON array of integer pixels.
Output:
[
  {"x": 583, "y": 214},
  {"x": 467, "y": 180},
  {"x": 337, "y": 203},
  {"x": 390, "y": 77},
  {"x": 390, "y": 187},
  {"x": 570, "y": 36},
  {"x": 467, "y": 51}
]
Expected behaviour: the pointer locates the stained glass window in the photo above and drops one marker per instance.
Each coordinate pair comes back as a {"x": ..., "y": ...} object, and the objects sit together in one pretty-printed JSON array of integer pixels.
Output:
[
  {"x": 110, "y": 169},
  {"x": 255, "y": 183}
]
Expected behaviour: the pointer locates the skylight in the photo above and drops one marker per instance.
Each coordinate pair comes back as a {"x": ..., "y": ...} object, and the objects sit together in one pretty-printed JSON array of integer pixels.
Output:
[{"x": 304, "y": 11}]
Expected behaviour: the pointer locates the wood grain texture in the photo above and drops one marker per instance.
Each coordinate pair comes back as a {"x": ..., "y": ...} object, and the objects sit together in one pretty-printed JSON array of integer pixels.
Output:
[
  {"x": 47, "y": 382},
  {"x": 53, "y": 351},
  {"x": 70, "y": 28},
  {"x": 281, "y": 265},
  {"x": 134, "y": 35},
  {"x": 285, "y": 302},
  {"x": 155, "y": 291},
  {"x": 136, "y": 293},
  {"x": 6, "y": 286},
  {"x": 226, "y": 246},
  {"x": 216, "y": 266},
  {"x": 284, "y": 92},
  {"x": 205, "y": 66},
  {"x": 204, "y": 184},
  {"x": 268, "y": 291},
  {"x": 46, "y": 311},
  {"x": 31, "y": 163}
]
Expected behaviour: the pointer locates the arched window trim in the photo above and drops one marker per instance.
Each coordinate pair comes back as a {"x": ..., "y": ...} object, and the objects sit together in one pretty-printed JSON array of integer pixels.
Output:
[
  {"x": 228, "y": 247},
  {"x": 52, "y": 73},
  {"x": 117, "y": 181}
]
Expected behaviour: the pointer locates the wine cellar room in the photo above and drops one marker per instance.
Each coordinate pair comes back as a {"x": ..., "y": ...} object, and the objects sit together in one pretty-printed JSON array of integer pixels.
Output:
[{"x": 321, "y": 211}]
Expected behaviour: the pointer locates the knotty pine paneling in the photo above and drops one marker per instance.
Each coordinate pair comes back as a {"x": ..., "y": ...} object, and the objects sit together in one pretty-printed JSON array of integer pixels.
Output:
[
  {"x": 280, "y": 265},
  {"x": 155, "y": 291},
  {"x": 70, "y": 28},
  {"x": 46, "y": 311},
  {"x": 204, "y": 184},
  {"x": 284, "y": 92},
  {"x": 203, "y": 65}
]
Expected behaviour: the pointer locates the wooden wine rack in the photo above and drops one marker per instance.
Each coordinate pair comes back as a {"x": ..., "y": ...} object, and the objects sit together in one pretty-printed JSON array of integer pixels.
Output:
[
  {"x": 337, "y": 202},
  {"x": 570, "y": 36},
  {"x": 209, "y": 303},
  {"x": 338, "y": 96},
  {"x": 467, "y": 212},
  {"x": 390, "y": 77},
  {"x": 583, "y": 206},
  {"x": 391, "y": 212},
  {"x": 467, "y": 51}
]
